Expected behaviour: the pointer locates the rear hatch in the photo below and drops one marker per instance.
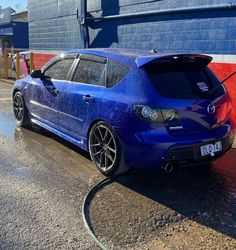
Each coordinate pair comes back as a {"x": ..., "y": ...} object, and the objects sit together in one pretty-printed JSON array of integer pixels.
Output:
[{"x": 185, "y": 83}]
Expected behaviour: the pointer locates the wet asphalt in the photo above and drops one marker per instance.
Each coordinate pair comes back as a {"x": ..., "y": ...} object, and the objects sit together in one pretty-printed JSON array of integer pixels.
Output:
[{"x": 44, "y": 179}]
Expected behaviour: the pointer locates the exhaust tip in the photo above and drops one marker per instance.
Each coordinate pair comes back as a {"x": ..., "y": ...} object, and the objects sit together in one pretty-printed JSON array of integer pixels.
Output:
[{"x": 169, "y": 167}]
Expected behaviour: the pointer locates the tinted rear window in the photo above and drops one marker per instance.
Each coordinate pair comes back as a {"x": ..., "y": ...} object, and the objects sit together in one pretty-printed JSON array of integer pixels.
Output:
[{"x": 184, "y": 80}]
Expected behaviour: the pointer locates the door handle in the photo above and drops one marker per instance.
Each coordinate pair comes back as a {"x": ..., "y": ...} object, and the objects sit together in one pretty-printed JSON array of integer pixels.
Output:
[
  {"x": 55, "y": 91},
  {"x": 88, "y": 99},
  {"x": 52, "y": 90}
]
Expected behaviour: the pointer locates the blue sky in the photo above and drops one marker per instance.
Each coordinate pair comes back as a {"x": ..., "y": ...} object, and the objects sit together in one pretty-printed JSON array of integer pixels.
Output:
[{"x": 15, "y": 4}]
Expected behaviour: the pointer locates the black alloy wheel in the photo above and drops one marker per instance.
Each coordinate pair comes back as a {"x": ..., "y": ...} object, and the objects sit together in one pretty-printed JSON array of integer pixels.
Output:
[
  {"x": 104, "y": 148},
  {"x": 20, "y": 110}
]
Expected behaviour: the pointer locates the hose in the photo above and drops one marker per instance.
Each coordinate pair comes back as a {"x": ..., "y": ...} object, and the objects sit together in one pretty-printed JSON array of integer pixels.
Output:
[{"x": 86, "y": 203}]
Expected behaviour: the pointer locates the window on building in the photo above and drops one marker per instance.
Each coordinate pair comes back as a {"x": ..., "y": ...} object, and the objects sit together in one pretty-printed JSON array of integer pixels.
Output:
[
  {"x": 116, "y": 71},
  {"x": 60, "y": 69},
  {"x": 90, "y": 72}
]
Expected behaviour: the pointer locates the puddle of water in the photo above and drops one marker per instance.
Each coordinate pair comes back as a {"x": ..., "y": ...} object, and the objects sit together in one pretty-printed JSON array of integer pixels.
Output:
[{"x": 7, "y": 125}]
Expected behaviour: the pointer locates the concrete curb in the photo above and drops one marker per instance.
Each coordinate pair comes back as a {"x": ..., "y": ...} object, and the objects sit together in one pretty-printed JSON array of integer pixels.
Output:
[{"x": 7, "y": 81}]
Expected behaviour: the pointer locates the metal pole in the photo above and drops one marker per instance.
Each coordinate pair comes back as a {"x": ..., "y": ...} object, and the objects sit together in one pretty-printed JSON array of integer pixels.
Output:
[
  {"x": 17, "y": 65},
  {"x": 5, "y": 64},
  {"x": 81, "y": 17},
  {"x": 31, "y": 62}
]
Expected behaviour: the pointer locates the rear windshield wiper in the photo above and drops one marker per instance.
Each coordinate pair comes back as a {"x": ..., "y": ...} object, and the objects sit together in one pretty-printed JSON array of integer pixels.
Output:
[{"x": 227, "y": 78}]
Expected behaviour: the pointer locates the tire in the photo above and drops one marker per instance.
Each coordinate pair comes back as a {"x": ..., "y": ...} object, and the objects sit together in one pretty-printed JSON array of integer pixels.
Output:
[
  {"x": 21, "y": 112},
  {"x": 105, "y": 150}
]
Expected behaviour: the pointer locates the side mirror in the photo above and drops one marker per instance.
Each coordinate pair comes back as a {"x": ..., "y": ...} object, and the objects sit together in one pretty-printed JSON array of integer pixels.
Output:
[{"x": 37, "y": 74}]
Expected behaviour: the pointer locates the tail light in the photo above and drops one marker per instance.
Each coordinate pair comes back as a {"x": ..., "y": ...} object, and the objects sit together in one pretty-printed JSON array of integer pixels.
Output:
[{"x": 159, "y": 115}]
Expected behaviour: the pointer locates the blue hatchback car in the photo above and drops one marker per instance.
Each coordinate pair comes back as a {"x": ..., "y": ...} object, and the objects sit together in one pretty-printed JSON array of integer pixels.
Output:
[{"x": 130, "y": 108}]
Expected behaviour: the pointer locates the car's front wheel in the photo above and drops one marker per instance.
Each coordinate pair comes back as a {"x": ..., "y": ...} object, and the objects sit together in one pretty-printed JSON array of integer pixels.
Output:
[
  {"x": 21, "y": 112},
  {"x": 105, "y": 149}
]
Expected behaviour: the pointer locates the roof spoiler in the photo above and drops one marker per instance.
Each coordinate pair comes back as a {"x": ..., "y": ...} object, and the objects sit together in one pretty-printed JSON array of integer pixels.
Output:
[{"x": 202, "y": 59}]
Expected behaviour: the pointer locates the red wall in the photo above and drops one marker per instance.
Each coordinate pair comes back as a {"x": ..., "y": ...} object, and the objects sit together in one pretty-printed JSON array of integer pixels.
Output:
[
  {"x": 222, "y": 70},
  {"x": 41, "y": 59}
]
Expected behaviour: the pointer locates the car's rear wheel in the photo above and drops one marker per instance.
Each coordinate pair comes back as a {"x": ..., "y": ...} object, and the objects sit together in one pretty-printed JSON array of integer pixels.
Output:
[
  {"x": 105, "y": 149},
  {"x": 21, "y": 112}
]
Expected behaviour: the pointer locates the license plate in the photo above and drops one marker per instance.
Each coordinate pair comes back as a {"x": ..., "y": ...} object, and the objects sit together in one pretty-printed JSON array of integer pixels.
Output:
[{"x": 211, "y": 149}]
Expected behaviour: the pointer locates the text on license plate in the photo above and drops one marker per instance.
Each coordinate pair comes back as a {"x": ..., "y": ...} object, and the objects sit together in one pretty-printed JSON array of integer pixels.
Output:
[{"x": 211, "y": 149}]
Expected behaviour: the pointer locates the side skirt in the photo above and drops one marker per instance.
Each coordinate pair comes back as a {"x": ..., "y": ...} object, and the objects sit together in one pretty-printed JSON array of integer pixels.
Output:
[{"x": 82, "y": 143}]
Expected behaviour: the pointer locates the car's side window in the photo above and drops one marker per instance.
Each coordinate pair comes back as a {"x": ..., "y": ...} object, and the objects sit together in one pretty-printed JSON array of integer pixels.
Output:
[
  {"x": 60, "y": 69},
  {"x": 116, "y": 71},
  {"x": 90, "y": 72}
]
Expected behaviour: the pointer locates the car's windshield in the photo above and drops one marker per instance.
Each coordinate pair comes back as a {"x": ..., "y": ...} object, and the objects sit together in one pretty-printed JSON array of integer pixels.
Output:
[{"x": 184, "y": 80}]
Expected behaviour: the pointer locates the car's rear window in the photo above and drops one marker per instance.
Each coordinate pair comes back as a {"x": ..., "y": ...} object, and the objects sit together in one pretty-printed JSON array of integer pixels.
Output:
[{"x": 184, "y": 80}]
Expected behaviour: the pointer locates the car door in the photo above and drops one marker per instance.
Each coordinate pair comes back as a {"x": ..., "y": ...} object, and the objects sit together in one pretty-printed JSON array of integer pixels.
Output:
[
  {"x": 79, "y": 95},
  {"x": 43, "y": 93}
]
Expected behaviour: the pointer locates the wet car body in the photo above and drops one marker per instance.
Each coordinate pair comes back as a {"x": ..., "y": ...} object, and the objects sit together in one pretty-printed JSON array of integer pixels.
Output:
[{"x": 70, "y": 108}]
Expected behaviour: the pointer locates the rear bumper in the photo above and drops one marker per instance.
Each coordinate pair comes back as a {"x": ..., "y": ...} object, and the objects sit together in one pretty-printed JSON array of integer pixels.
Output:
[
  {"x": 153, "y": 149},
  {"x": 190, "y": 155}
]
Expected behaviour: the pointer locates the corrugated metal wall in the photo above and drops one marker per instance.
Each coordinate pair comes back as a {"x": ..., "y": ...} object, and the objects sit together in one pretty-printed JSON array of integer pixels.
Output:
[{"x": 54, "y": 26}]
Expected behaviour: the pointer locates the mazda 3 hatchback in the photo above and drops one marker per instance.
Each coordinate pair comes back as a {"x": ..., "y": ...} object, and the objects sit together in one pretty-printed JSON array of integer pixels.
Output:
[{"x": 130, "y": 108}]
